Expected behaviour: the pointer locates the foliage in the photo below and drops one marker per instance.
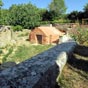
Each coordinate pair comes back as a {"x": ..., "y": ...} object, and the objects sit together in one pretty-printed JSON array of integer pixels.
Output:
[
  {"x": 4, "y": 59},
  {"x": 73, "y": 16},
  {"x": 17, "y": 28},
  {"x": 45, "y": 22},
  {"x": 61, "y": 21},
  {"x": 29, "y": 16},
  {"x": 1, "y": 3},
  {"x": 1, "y": 51},
  {"x": 4, "y": 17},
  {"x": 21, "y": 35},
  {"x": 86, "y": 11},
  {"x": 81, "y": 36},
  {"x": 57, "y": 7},
  {"x": 26, "y": 15},
  {"x": 85, "y": 8},
  {"x": 48, "y": 15}
]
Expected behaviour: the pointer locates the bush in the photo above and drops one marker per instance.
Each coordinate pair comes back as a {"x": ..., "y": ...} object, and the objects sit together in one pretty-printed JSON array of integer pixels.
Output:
[
  {"x": 17, "y": 28},
  {"x": 1, "y": 51},
  {"x": 4, "y": 59},
  {"x": 21, "y": 35},
  {"x": 81, "y": 35},
  {"x": 45, "y": 22},
  {"x": 62, "y": 21}
]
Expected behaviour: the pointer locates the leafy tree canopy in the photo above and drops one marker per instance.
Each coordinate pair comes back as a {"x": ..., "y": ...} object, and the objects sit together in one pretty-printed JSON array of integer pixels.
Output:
[
  {"x": 26, "y": 15},
  {"x": 58, "y": 7},
  {"x": 1, "y": 3},
  {"x": 85, "y": 8}
]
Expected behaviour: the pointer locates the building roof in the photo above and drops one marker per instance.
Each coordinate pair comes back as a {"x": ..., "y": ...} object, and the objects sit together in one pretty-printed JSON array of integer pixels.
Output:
[{"x": 50, "y": 31}]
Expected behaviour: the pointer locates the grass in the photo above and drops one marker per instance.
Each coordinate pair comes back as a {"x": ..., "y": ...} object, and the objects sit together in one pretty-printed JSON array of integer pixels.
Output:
[
  {"x": 4, "y": 59},
  {"x": 22, "y": 35},
  {"x": 25, "y": 52},
  {"x": 1, "y": 51}
]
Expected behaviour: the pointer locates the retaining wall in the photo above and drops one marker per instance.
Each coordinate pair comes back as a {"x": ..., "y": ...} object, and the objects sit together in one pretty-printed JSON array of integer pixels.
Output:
[{"x": 41, "y": 71}]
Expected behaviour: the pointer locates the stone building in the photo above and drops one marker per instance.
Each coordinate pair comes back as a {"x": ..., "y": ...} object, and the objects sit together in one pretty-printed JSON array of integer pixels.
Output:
[{"x": 45, "y": 35}]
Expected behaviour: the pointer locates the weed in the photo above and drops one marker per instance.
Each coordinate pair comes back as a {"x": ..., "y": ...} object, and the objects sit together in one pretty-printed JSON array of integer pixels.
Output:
[
  {"x": 4, "y": 59},
  {"x": 80, "y": 36},
  {"x": 1, "y": 51}
]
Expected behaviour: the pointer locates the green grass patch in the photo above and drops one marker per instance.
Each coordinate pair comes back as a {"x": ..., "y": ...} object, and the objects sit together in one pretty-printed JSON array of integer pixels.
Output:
[
  {"x": 25, "y": 34},
  {"x": 4, "y": 59},
  {"x": 1, "y": 51},
  {"x": 25, "y": 52}
]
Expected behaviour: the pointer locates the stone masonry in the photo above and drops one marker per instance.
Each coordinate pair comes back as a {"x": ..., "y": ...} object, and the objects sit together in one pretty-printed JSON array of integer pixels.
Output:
[{"x": 40, "y": 71}]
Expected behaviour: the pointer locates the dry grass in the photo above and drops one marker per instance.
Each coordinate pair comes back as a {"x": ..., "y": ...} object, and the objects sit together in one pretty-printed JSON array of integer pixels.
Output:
[{"x": 75, "y": 73}]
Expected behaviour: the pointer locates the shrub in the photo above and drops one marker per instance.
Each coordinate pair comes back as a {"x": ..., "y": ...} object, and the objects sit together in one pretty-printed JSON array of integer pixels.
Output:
[
  {"x": 60, "y": 21},
  {"x": 4, "y": 59},
  {"x": 17, "y": 28},
  {"x": 81, "y": 35},
  {"x": 1, "y": 51},
  {"x": 21, "y": 35},
  {"x": 45, "y": 22}
]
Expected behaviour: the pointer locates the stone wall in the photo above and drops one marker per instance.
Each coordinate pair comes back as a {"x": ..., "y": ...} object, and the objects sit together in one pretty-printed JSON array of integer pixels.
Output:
[
  {"x": 40, "y": 71},
  {"x": 5, "y": 38}
]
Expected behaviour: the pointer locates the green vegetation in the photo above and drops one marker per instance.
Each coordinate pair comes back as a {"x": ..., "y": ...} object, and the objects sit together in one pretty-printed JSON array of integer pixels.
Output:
[
  {"x": 57, "y": 7},
  {"x": 1, "y": 51},
  {"x": 75, "y": 16},
  {"x": 29, "y": 16},
  {"x": 25, "y": 52},
  {"x": 81, "y": 36},
  {"x": 4, "y": 59},
  {"x": 1, "y": 4},
  {"x": 17, "y": 28},
  {"x": 23, "y": 34},
  {"x": 26, "y": 15}
]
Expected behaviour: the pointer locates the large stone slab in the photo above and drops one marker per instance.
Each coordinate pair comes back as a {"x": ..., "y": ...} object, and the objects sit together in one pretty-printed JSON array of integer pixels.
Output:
[{"x": 41, "y": 71}]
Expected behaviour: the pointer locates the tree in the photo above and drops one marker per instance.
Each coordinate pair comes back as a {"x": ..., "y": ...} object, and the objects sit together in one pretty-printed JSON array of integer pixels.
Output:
[
  {"x": 80, "y": 16},
  {"x": 58, "y": 7},
  {"x": 1, "y": 4},
  {"x": 48, "y": 15},
  {"x": 26, "y": 15},
  {"x": 85, "y": 11},
  {"x": 85, "y": 8},
  {"x": 5, "y": 16},
  {"x": 73, "y": 16}
]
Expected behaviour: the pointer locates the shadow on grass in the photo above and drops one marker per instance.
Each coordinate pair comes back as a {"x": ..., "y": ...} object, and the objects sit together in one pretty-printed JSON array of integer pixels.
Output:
[{"x": 78, "y": 62}]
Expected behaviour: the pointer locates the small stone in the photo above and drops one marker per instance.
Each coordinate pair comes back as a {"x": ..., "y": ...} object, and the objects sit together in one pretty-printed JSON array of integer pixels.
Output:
[{"x": 33, "y": 73}]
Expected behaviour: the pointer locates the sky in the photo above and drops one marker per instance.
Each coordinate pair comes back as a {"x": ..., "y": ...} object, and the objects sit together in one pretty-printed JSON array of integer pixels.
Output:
[{"x": 70, "y": 4}]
